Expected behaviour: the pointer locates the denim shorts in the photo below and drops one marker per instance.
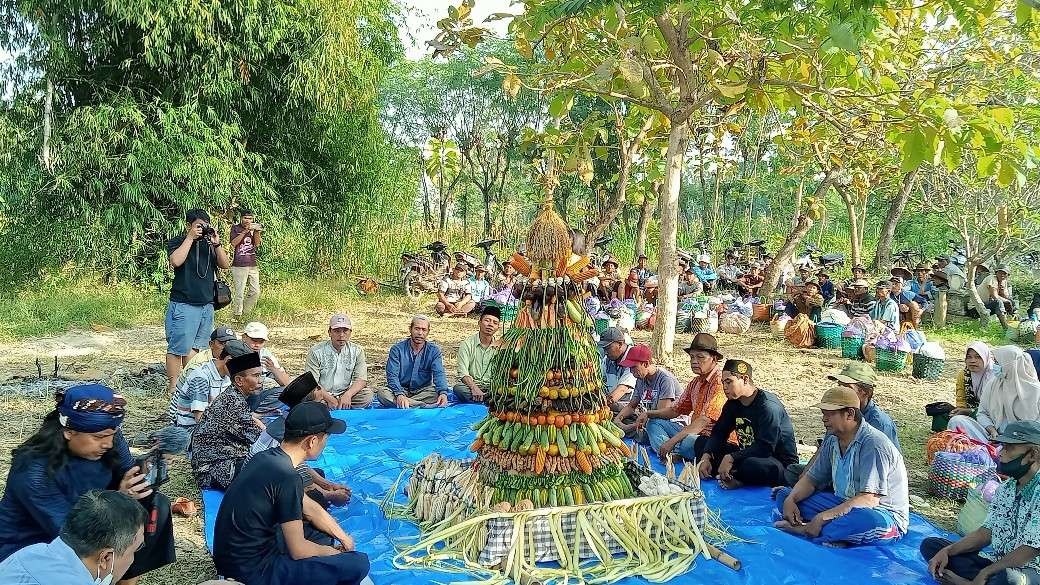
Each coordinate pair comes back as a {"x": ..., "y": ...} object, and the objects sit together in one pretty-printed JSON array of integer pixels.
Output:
[{"x": 187, "y": 327}]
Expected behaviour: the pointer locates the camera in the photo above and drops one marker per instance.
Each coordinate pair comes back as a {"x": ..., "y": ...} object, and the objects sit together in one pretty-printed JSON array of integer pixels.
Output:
[
  {"x": 207, "y": 230},
  {"x": 256, "y": 227},
  {"x": 153, "y": 466}
]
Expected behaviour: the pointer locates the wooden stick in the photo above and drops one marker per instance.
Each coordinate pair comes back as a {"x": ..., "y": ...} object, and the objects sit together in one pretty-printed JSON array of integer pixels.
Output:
[{"x": 724, "y": 557}]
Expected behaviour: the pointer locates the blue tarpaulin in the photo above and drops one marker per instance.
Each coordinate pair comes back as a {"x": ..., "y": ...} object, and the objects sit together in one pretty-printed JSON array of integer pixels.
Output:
[{"x": 379, "y": 442}]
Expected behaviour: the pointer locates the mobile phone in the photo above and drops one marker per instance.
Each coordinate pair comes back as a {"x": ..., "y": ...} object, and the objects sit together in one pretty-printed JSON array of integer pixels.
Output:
[{"x": 154, "y": 468}]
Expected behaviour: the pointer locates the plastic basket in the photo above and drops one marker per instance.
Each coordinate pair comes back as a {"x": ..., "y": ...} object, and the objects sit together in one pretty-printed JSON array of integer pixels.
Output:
[
  {"x": 852, "y": 348},
  {"x": 760, "y": 312},
  {"x": 952, "y": 478},
  {"x": 828, "y": 335},
  {"x": 928, "y": 368},
  {"x": 509, "y": 311},
  {"x": 698, "y": 325},
  {"x": 602, "y": 325},
  {"x": 890, "y": 361}
]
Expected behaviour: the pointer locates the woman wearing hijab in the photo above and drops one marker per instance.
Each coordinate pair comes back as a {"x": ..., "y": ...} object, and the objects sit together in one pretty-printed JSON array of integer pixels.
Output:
[
  {"x": 1010, "y": 393},
  {"x": 978, "y": 369},
  {"x": 79, "y": 448}
]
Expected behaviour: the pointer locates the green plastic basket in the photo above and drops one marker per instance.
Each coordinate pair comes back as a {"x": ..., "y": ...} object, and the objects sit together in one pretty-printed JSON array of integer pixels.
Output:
[
  {"x": 508, "y": 311},
  {"x": 828, "y": 335},
  {"x": 852, "y": 348},
  {"x": 890, "y": 361},
  {"x": 928, "y": 368},
  {"x": 602, "y": 325}
]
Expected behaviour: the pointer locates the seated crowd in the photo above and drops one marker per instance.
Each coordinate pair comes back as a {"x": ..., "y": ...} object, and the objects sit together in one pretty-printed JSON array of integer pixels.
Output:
[{"x": 273, "y": 525}]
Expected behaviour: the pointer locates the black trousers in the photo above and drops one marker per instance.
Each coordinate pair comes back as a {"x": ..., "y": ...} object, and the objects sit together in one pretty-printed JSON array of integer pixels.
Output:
[
  {"x": 767, "y": 471},
  {"x": 158, "y": 550},
  {"x": 968, "y": 565}
]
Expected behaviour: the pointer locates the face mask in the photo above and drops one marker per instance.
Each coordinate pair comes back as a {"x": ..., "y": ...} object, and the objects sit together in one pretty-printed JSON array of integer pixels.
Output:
[
  {"x": 107, "y": 579},
  {"x": 1014, "y": 468}
]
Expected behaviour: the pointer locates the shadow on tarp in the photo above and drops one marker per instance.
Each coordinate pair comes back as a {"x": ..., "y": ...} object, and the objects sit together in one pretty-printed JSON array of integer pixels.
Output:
[{"x": 379, "y": 442}]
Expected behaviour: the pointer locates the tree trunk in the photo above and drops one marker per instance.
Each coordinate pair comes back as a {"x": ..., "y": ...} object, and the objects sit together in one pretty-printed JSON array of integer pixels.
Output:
[
  {"x": 48, "y": 114},
  {"x": 646, "y": 211},
  {"x": 427, "y": 212},
  {"x": 855, "y": 227},
  {"x": 786, "y": 251},
  {"x": 883, "y": 254},
  {"x": 487, "y": 214},
  {"x": 667, "y": 281}
]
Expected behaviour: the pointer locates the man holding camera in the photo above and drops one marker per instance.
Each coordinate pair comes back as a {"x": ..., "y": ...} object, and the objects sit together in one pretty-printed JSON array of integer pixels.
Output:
[
  {"x": 195, "y": 258},
  {"x": 245, "y": 239}
]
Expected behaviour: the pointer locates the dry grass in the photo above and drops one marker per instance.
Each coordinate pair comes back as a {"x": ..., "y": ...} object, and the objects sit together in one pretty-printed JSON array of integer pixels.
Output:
[{"x": 797, "y": 376}]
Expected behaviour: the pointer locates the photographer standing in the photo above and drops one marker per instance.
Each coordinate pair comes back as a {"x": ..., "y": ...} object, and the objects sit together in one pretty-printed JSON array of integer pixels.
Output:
[
  {"x": 245, "y": 239},
  {"x": 195, "y": 257}
]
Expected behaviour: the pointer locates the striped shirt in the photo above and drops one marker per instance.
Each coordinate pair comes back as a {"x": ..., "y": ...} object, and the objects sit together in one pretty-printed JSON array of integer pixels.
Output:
[{"x": 195, "y": 393}]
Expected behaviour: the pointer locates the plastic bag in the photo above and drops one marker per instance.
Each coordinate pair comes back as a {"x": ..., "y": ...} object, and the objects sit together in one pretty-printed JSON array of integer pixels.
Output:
[
  {"x": 800, "y": 331},
  {"x": 735, "y": 323},
  {"x": 915, "y": 339},
  {"x": 932, "y": 350},
  {"x": 888, "y": 340},
  {"x": 836, "y": 316},
  {"x": 713, "y": 322}
]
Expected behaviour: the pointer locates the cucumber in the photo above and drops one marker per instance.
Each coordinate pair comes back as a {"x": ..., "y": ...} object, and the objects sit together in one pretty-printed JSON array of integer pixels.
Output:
[
  {"x": 590, "y": 496},
  {"x": 565, "y": 495},
  {"x": 528, "y": 439},
  {"x": 552, "y": 498},
  {"x": 543, "y": 438},
  {"x": 573, "y": 432},
  {"x": 578, "y": 437},
  {"x": 561, "y": 442}
]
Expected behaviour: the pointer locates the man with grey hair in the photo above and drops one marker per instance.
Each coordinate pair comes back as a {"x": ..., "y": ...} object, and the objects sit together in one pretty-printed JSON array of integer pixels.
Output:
[
  {"x": 96, "y": 544},
  {"x": 415, "y": 371}
]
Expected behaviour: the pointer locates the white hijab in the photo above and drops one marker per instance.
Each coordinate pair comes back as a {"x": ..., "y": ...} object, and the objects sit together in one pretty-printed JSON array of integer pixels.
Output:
[
  {"x": 1013, "y": 394},
  {"x": 979, "y": 380}
]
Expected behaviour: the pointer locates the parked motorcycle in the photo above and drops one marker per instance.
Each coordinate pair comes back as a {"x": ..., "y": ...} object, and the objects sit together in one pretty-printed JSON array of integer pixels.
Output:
[
  {"x": 813, "y": 257},
  {"x": 423, "y": 273}
]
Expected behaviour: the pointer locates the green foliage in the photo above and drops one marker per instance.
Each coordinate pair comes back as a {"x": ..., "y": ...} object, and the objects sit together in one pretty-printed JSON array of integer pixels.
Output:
[{"x": 164, "y": 106}]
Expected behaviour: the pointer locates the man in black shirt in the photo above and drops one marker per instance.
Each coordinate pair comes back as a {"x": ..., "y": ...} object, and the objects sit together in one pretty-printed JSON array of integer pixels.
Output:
[
  {"x": 195, "y": 257},
  {"x": 765, "y": 435},
  {"x": 261, "y": 537}
]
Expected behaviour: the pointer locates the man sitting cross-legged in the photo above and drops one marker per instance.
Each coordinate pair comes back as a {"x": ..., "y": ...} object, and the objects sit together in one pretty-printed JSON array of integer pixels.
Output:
[
  {"x": 765, "y": 435},
  {"x": 475, "y": 354},
  {"x": 415, "y": 371},
  {"x": 702, "y": 402},
  {"x": 856, "y": 491},
  {"x": 340, "y": 367},
  {"x": 261, "y": 537},
  {"x": 656, "y": 389},
  {"x": 323, "y": 491},
  {"x": 1004, "y": 550}
]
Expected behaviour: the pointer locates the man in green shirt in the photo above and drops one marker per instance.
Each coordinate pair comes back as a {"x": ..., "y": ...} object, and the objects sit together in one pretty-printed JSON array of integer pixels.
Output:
[{"x": 475, "y": 353}]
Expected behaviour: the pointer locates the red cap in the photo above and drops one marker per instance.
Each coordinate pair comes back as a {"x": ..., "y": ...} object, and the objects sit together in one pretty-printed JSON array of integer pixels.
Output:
[{"x": 637, "y": 354}]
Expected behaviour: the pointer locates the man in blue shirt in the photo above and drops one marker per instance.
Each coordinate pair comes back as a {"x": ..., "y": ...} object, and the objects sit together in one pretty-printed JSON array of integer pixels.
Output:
[
  {"x": 856, "y": 491},
  {"x": 415, "y": 371},
  {"x": 858, "y": 376},
  {"x": 96, "y": 544},
  {"x": 704, "y": 272},
  {"x": 909, "y": 309},
  {"x": 885, "y": 309}
]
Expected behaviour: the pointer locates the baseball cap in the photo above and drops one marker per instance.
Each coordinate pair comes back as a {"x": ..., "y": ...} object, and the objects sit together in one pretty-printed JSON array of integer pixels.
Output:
[
  {"x": 883, "y": 285},
  {"x": 236, "y": 348},
  {"x": 1020, "y": 433},
  {"x": 256, "y": 330},
  {"x": 636, "y": 355},
  {"x": 855, "y": 373},
  {"x": 704, "y": 258},
  {"x": 311, "y": 418},
  {"x": 838, "y": 398},
  {"x": 896, "y": 280},
  {"x": 611, "y": 335},
  {"x": 339, "y": 320},
  {"x": 223, "y": 334}
]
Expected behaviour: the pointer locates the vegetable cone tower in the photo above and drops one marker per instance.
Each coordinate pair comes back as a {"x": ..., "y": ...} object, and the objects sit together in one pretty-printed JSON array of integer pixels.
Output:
[{"x": 548, "y": 437}]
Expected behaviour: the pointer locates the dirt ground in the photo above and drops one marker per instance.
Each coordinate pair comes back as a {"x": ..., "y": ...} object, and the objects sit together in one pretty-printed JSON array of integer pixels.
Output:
[{"x": 797, "y": 376}]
